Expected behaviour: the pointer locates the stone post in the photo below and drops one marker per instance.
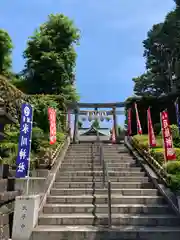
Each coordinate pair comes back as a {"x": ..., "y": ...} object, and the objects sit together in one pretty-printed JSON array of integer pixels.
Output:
[{"x": 25, "y": 216}]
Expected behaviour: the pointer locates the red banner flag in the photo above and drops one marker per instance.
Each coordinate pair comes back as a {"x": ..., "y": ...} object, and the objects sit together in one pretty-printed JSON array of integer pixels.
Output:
[
  {"x": 139, "y": 129},
  {"x": 167, "y": 137},
  {"x": 129, "y": 122},
  {"x": 151, "y": 135},
  {"x": 52, "y": 124}
]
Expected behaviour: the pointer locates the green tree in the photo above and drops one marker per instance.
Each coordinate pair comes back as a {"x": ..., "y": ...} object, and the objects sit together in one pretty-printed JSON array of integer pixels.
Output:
[
  {"x": 5, "y": 53},
  {"x": 51, "y": 58},
  {"x": 96, "y": 124},
  {"x": 177, "y": 2},
  {"x": 162, "y": 55},
  {"x": 80, "y": 124}
]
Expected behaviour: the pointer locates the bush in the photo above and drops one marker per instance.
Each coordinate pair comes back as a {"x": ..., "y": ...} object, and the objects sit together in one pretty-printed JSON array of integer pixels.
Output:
[
  {"x": 37, "y": 137},
  {"x": 60, "y": 137},
  {"x": 141, "y": 141},
  {"x": 175, "y": 135},
  {"x": 174, "y": 131},
  {"x": 174, "y": 182},
  {"x": 158, "y": 155},
  {"x": 8, "y": 148},
  {"x": 157, "y": 128},
  {"x": 172, "y": 167}
]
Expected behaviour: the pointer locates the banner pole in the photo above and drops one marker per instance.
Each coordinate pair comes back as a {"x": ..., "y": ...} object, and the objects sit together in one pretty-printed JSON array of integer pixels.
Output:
[
  {"x": 162, "y": 133},
  {"x": 29, "y": 159},
  {"x": 148, "y": 130}
]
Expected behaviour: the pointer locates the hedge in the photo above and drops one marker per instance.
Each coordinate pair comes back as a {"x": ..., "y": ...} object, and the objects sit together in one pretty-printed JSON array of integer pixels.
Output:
[{"x": 172, "y": 167}]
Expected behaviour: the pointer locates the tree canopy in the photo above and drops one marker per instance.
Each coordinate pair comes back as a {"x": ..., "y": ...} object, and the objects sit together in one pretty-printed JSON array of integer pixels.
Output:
[
  {"x": 5, "y": 53},
  {"x": 162, "y": 54},
  {"x": 51, "y": 59},
  {"x": 96, "y": 124},
  {"x": 47, "y": 80}
]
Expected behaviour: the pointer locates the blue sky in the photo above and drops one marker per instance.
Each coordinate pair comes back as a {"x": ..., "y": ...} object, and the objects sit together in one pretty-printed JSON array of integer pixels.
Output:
[{"x": 110, "y": 51}]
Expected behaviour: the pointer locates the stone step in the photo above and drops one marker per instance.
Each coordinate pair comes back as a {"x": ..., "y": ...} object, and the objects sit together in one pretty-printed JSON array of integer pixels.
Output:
[
  {"x": 102, "y": 219},
  {"x": 96, "y": 161},
  {"x": 100, "y": 199},
  {"x": 96, "y": 165},
  {"x": 103, "y": 208},
  {"x": 56, "y": 232},
  {"x": 119, "y": 151},
  {"x": 124, "y": 192},
  {"x": 94, "y": 178},
  {"x": 118, "y": 169},
  {"x": 81, "y": 179},
  {"x": 134, "y": 185},
  {"x": 106, "y": 154},
  {"x": 89, "y": 174},
  {"x": 80, "y": 152},
  {"x": 100, "y": 173},
  {"x": 78, "y": 158}
]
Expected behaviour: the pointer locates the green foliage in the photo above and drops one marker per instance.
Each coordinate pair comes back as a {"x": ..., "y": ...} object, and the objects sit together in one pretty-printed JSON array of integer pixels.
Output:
[
  {"x": 108, "y": 118},
  {"x": 161, "y": 50},
  {"x": 50, "y": 58},
  {"x": 5, "y": 52},
  {"x": 177, "y": 2},
  {"x": 80, "y": 124},
  {"x": 49, "y": 74},
  {"x": 174, "y": 131},
  {"x": 158, "y": 154},
  {"x": 9, "y": 146},
  {"x": 96, "y": 124},
  {"x": 119, "y": 130},
  {"x": 175, "y": 135},
  {"x": 174, "y": 182},
  {"x": 173, "y": 167},
  {"x": 40, "y": 105},
  {"x": 37, "y": 138},
  {"x": 157, "y": 128}
]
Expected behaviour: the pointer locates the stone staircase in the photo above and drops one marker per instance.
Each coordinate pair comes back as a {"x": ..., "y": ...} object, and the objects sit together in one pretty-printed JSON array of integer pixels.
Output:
[{"x": 77, "y": 207}]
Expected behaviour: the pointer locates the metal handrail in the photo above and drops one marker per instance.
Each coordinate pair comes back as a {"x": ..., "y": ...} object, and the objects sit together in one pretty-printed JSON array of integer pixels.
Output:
[{"x": 106, "y": 179}]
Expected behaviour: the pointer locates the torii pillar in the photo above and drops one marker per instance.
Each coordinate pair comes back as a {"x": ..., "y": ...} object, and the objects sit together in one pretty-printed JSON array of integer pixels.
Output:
[
  {"x": 115, "y": 122},
  {"x": 75, "y": 136}
]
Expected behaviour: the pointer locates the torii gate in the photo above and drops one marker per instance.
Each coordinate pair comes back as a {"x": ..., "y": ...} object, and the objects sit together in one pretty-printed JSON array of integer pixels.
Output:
[{"x": 74, "y": 108}]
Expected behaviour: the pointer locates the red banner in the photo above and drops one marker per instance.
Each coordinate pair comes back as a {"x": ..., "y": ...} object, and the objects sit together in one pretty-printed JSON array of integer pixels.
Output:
[
  {"x": 167, "y": 137},
  {"x": 151, "y": 135},
  {"x": 52, "y": 124},
  {"x": 129, "y": 122},
  {"x": 139, "y": 129}
]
